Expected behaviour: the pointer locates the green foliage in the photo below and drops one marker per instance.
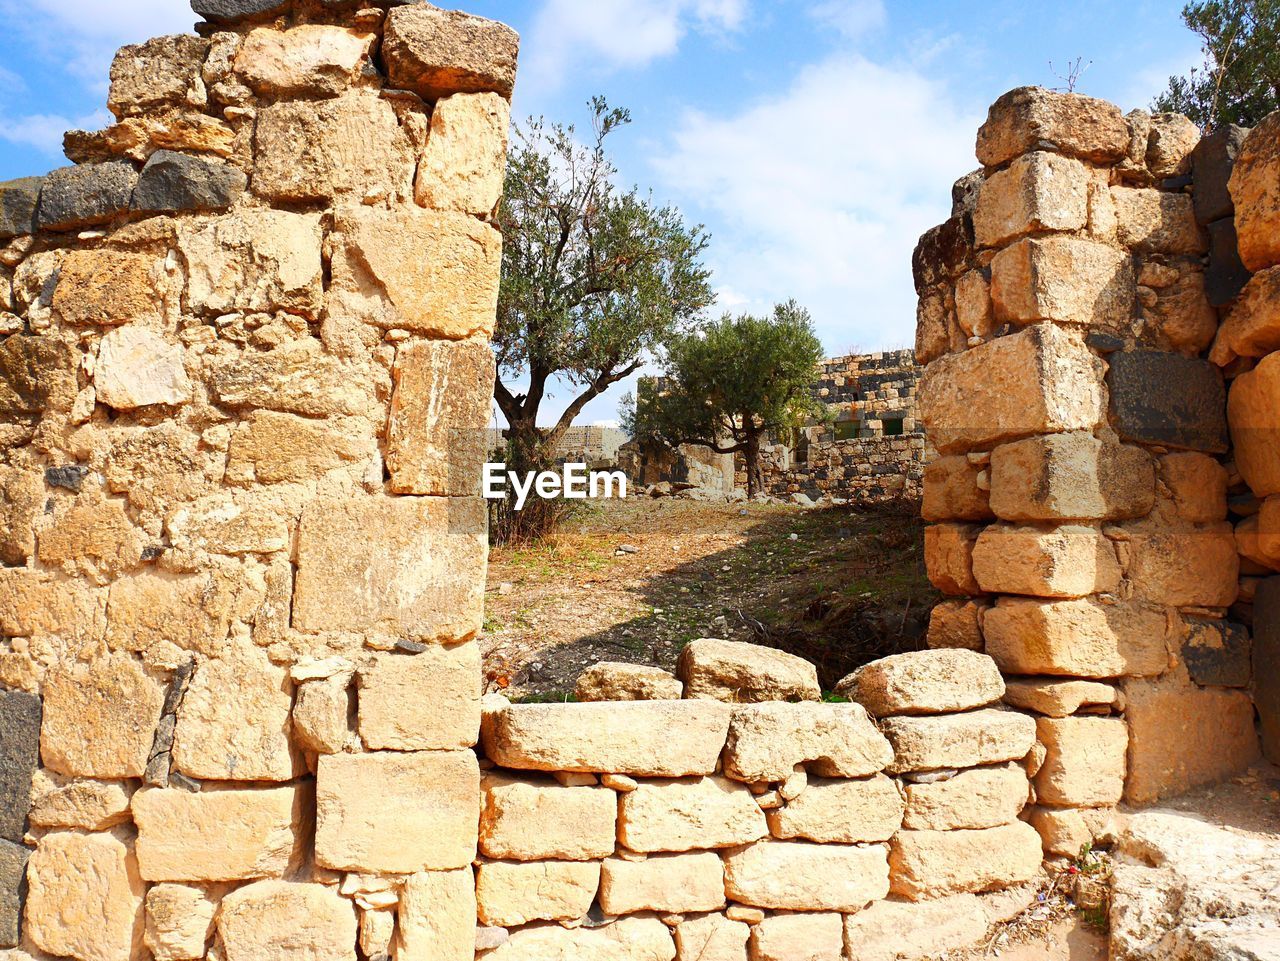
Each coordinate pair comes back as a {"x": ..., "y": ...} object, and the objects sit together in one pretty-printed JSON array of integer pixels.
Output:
[{"x": 1240, "y": 79}]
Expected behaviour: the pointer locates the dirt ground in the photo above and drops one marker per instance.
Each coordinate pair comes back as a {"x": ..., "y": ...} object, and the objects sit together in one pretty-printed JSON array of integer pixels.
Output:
[{"x": 635, "y": 580}]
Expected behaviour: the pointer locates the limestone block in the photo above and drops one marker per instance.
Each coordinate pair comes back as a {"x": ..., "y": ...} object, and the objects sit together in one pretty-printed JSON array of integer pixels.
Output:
[
  {"x": 988, "y": 736},
  {"x": 19, "y": 756},
  {"x": 251, "y": 523},
  {"x": 138, "y": 138},
  {"x": 437, "y": 441},
  {"x": 152, "y": 607},
  {"x": 397, "y": 813},
  {"x": 1143, "y": 408},
  {"x": 85, "y": 195},
  {"x": 1255, "y": 189},
  {"x": 402, "y": 566},
  {"x": 924, "y": 682},
  {"x": 349, "y": 148},
  {"x": 1157, "y": 222},
  {"x": 395, "y": 716},
  {"x": 1182, "y": 318},
  {"x": 1197, "y": 485},
  {"x": 1067, "y": 280},
  {"x": 767, "y": 741},
  {"x": 510, "y": 893},
  {"x": 951, "y": 491},
  {"x": 711, "y": 937},
  {"x": 431, "y": 272},
  {"x": 743, "y": 673},
  {"x": 983, "y": 797},
  {"x": 663, "y": 882},
  {"x": 179, "y": 922},
  {"x": 32, "y": 605},
  {"x": 937, "y": 328},
  {"x": 437, "y": 919},
  {"x": 1252, "y": 327},
  {"x": 22, "y": 500},
  {"x": 13, "y": 873},
  {"x": 322, "y": 715},
  {"x": 278, "y": 919},
  {"x": 1066, "y": 831},
  {"x": 612, "y": 681},
  {"x": 689, "y": 813},
  {"x": 843, "y": 811},
  {"x": 36, "y": 374},
  {"x": 1038, "y": 381},
  {"x": 948, "y": 555},
  {"x": 162, "y": 71},
  {"x": 1172, "y": 139},
  {"x": 799, "y": 876},
  {"x": 1031, "y": 118},
  {"x": 893, "y": 930},
  {"x": 93, "y": 537},
  {"x": 1253, "y": 411},
  {"x": 270, "y": 447},
  {"x": 1073, "y": 476},
  {"x": 99, "y": 718},
  {"x": 465, "y": 158},
  {"x": 525, "y": 820},
  {"x": 1082, "y": 638},
  {"x": 973, "y": 304},
  {"x": 931, "y": 864},
  {"x": 1196, "y": 567},
  {"x": 173, "y": 182},
  {"x": 627, "y": 939},
  {"x": 1058, "y": 698},
  {"x": 309, "y": 59},
  {"x": 105, "y": 287},
  {"x": 1039, "y": 191},
  {"x": 84, "y": 897},
  {"x": 86, "y": 805},
  {"x": 643, "y": 738},
  {"x": 1085, "y": 763},
  {"x": 436, "y": 53},
  {"x": 1066, "y": 561},
  {"x": 138, "y": 368},
  {"x": 798, "y": 937},
  {"x": 956, "y": 625}
]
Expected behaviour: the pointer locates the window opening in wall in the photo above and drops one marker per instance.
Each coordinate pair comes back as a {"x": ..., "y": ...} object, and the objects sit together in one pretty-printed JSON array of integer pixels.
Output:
[{"x": 892, "y": 426}]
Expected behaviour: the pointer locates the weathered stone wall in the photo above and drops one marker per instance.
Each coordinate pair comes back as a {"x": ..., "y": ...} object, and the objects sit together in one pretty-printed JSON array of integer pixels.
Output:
[
  {"x": 243, "y": 382},
  {"x": 1081, "y": 499}
]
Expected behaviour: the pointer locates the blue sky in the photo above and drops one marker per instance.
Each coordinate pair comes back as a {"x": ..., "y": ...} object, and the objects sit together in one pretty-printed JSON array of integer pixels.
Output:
[{"x": 816, "y": 140}]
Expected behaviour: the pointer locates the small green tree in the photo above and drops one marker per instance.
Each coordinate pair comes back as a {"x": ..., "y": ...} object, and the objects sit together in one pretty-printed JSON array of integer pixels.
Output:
[
  {"x": 730, "y": 383},
  {"x": 1240, "y": 79}
]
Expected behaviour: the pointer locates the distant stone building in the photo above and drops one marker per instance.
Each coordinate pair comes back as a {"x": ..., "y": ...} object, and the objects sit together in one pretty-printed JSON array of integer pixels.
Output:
[{"x": 593, "y": 446}]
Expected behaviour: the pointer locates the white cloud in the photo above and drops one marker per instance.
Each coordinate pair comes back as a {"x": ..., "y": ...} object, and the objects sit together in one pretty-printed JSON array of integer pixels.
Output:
[
  {"x": 821, "y": 192},
  {"x": 43, "y": 131},
  {"x": 852, "y": 18}
]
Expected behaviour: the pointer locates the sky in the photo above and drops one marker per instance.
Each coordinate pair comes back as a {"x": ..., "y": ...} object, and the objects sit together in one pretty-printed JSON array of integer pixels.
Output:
[{"x": 814, "y": 139}]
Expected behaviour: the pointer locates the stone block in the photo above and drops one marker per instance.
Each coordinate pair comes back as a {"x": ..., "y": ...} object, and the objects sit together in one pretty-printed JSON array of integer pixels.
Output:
[
  {"x": 1065, "y": 561},
  {"x": 322, "y": 721},
  {"x": 139, "y": 368},
  {"x": 689, "y": 813},
  {"x": 255, "y": 522},
  {"x": 676, "y": 883},
  {"x": 731, "y": 671},
  {"x": 33, "y": 605},
  {"x": 798, "y": 937},
  {"x": 18, "y": 201},
  {"x": 153, "y": 607},
  {"x": 948, "y": 555},
  {"x": 841, "y": 811},
  {"x": 137, "y": 138},
  {"x": 644, "y": 738},
  {"x": 626, "y": 939},
  {"x": 1067, "y": 280},
  {"x": 924, "y": 682},
  {"x": 983, "y": 797},
  {"x": 509, "y": 894},
  {"x": 1082, "y": 638},
  {"x": 465, "y": 158},
  {"x": 82, "y": 804},
  {"x": 393, "y": 713},
  {"x": 1180, "y": 317},
  {"x": 269, "y": 447},
  {"x": 73, "y": 198},
  {"x": 1084, "y": 764},
  {"x": 1266, "y": 664},
  {"x": 1032, "y": 118},
  {"x": 942, "y": 254},
  {"x": 436, "y": 53},
  {"x": 397, "y": 813},
  {"x": 92, "y": 537},
  {"x": 1224, "y": 275},
  {"x": 1170, "y": 142},
  {"x": 1212, "y": 161},
  {"x": 1252, "y": 327},
  {"x": 956, "y": 625},
  {"x": 172, "y": 182},
  {"x": 973, "y": 304},
  {"x": 400, "y": 566},
  {"x": 220, "y": 834},
  {"x": 179, "y": 922},
  {"x": 951, "y": 491},
  {"x": 1067, "y": 831},
  {"x": 19, "y": 757},
  {"x": 437, "y": 917},
  {"x": 36, "y": 374},
  {"x": 799, "y": 876},
  {"x": 524, "y": 820},
  {"x": 894, "y": 930},
  {"x": 1253, "y": 411},
  {"x": 162, "y": 72},
  {"x": 931, "y": 864},
  {"x": 13, "y": 878},
  {"x": 767, "y": 741},
  {"x": 1197, "y": 486},
  {"x": 1157, "y": 222},
  {"x": 1197, "y": 567},
  {"x": 310, "y": 59},
  {"x": 615, "y": 681},
  {"x": 1255, "y": 190},
  {"x": 1058, "y": 698},
  {"x": 988, "y": 736},
  {"x": 279, "y": 919},
  {"x": 1037, "y": 192},
  {"x": 234, "y": 11},
  {"x": 22, "y": 501},
  {"x": 711, "y": 937},
  {"x": 1145, "y": 410},
  {"x": 1073, "y": 476},
  {"x": 105, "y": 288},
  {"x": 1038, "y": 381}
]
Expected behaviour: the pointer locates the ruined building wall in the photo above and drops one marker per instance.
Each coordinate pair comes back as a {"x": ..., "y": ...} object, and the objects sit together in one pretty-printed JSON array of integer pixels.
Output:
[{"x": 243, "y": 382}]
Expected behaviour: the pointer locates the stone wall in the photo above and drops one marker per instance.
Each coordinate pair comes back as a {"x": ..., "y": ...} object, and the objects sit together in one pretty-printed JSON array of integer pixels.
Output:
[
  {"x": 1081, "y": 499},
  {"x": 244, "y": 380}
]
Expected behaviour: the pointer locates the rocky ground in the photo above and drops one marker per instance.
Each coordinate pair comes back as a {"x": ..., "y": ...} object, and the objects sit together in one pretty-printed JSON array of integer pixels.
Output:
[{"x": 636, "y": 580}]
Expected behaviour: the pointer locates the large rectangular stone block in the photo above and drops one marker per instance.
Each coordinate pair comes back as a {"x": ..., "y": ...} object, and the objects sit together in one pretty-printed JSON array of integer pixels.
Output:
[
  {"x": 689, "y": 813},
  {"x": 1253, "y": 412},
  {"x": 799, "y": 876},
  {"x": 393, "y": 713},
  {"x": 767, "y": 741},
  {"x": 19, "y": 756},
  {"x": 437, "y": 52},
  {"x": 437, "y": 917},
  {"x": 663, "y": 882},
  {"x": 1255, "y": 189},
  {"x": 1066, "y": 561},
  {"x": 534, "y": 820},
  {"x": 944, "y": 741},
  {"x": 1212, "y": 161},
  {"x": 931, "y": 864},
  {"x": 1148, "y": 408},
  {"x": 1154, "y": 221},
  {"x": 952, "y": 493},
  {"x": 1032, "y": 118},
  {"x": 983, "y": 797},
  {"x": 1084, "y": 764},
  {"x": 1192, "y": 567},
  {"x": 1072, "y": 476},
  {"x": 948, "y": 554},
  {"x": 1040, "y": 191},
  {"x": 1067, "y": 280},
  {"x": 841, "y": 811},
  {"x": 513, "y": 893}
]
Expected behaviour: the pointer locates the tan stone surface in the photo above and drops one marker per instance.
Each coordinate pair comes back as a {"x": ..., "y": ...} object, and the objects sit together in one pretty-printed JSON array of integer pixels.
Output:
[
  {"x": 527, "y": 820},
  {"x": 767, "y": 741},
  {"x": 1065, "y": 561},
  {"x": 930, "y": 864},
  {"x": 948, "y": 554},
  {"x": 841, "y": 811},
  {"x": 322, "y": 720},
  {"x": 139, "y": 368},
  {"x": 1197, "y": 486},
  {"x": 270, "y": 448},
  {"x": 1081, "y": 637},
  {"x": 191, "y": 611},
  {"x": 1157, "y": 221},
  {"x": 1252, "y": 327},
  {"x": 663, "y": 882},
  {"x": 711, "y": 937},
  {"x": 732, "y": 671},
  {"x": 1257, "y": 197},
  {"x": 511, "y": 893},
  {"x": 983, "y": 797},
  {"x": 1031, "y": 117},
  {"x": 84, "y": 897},
  {"x": 1070, "y": 476},
  {"x": 94, "y": 537},
  {"x": 163, "y": 70},
  {"x": 925, "y": 682},
  {"x": 1195, "y": 567},
  {"x": 1039, "y": 191},
  {"x": 799, "y": 876},
  {"x": 87, "y": 805},
  {"x": 281, "y": 919},
  {"x": 1066, "y": 831},
  {"x": 1085, "y": 761},
  {"x": 644, "y": 738},
  {"x": 973, "y": 304},
  {"x": 956, "y": 625},
  {"x": 219, "y": 834},
  {"x": 307, "y": 59},
  {"x": 1169, "y": 145},
  {"x": 179, "y": 922},
  {"x": 615, "y": 681},
  {"x": 139, "y": 137},
  {"x": 1253, "y": 411},
  {"x": 395, "y": 716},
  {"x": 437, "y": 920},
  {"x": 99, "y": 718},
  {"x": 296, "y": 377},
  {"x": 397, "y": 813},
  {"x": 465, "y": 158},
  {"x": 105, "y": 287},
  {"x": 22, "y": 499},
  {"x": 988, "y": 736},
  {"x": 1060, "y": 698},
  {"x": 798, "y": 937},
  {"x": 436, "y": 52},
  {"x": 951, "y": 491},
  {"x": 627, "y": 939},
  {"x": 33, "y": 605},
  {"x": 892, "y": 930},
  {"x": 1067, "y": 280}
]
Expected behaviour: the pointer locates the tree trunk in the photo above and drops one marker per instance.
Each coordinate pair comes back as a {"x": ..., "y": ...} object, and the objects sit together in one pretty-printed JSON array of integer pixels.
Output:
[{"x": 755, "y": 471}]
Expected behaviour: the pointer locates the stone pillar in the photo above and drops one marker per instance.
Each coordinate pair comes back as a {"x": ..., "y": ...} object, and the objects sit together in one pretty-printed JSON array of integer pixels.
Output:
[
  {"x": 244, "y": 382},
  {"x": 1079, "y": 499}
]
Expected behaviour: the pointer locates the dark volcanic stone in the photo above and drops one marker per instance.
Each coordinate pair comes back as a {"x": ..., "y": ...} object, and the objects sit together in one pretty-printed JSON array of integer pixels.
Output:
[
  {"x": 18, "y": 201},
  {"x": 1168, "y": 399},
  {"x": 1225, "y": 276},
  {"x": 1103, "y": 343},
  {"x": 943, "y": 253},
  {"x": 964, "y": 192},
  {"x": 86, "y": 194},
  {"x": 172, "y": 181},
  {"x": 19, "y": 753},
  {"x": 1217, "y": 653},
  {"x": 1266, "y": 664},
  {"x": 68, "y": 478},
  {"x": 1211, "y": 165},
  {"x": 228, "y": 11},
  {"x": 13, "y": 873}
]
